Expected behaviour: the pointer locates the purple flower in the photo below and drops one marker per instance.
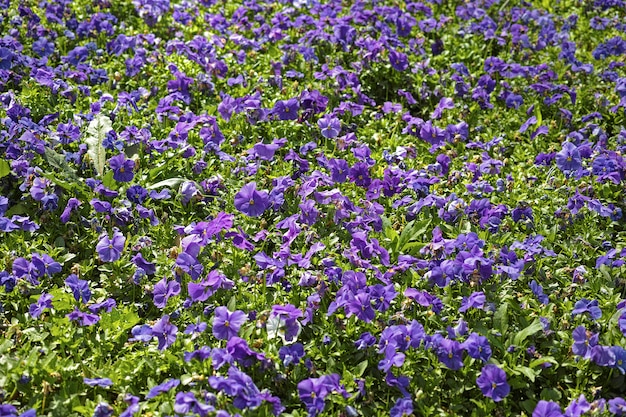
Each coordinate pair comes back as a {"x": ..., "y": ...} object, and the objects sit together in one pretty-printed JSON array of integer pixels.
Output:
[
  {"x": 163, "y": 290},
  {"x": 165, "y": 332},
  {"x": 122, "y": 168},
  {"x": 188, "y": 190},
  {"x": 283, "y": 322},
  {"x": 313, "y": 391},
  {"x": 133, "y": 405},
  {"x": 617, "y": 406},
  {"x": 45, "y": 264},
  {"x": 190, "y": 265},
  {"x": 72, "y": 204},
  {"x": 361, "y": 306},
  {"x": 44, "y": 301},
  {"x": 79, "y": 287},
  {"x": 251, "y": 202},
  {"x": 137, "y": 194},
  {"x": 622, "y": 323},
  {"x": 584, "y": 341},
  {"x": 577, "y": 407},
  {"x": 98, "y": 382},
  {"x": 537, "y": 289},
  {"x": 103, "y": 409},
  {"x": 492, "y": 382},
  {"x": 291, "y": 354},
  {"x": 450, "y": 353},
  {"x": 187, "y": 403},
  {"x": 547, "y": 409},
  {"x": 475, "y": 300},
  {"x": 568, "y": 159},
  {"x": 366, "y": 340},
  {"x": 603, "y": 355},
  {"x": 587, "y": 306},
  {"x": 330, "y": 126},
  {"x": 339, "y": 169},
  {"x": 359, "y": 174},
  {"x": 83, "y": 319},
  {"x": 227, "y": 324},
  {"x": 162, "y": 388},
  {"x": 398, "y": 60},
  {"x": 402, "y": 407},
  {"x": 286, "y": 109},
  {"x": 110, "y": 249},
  {"x": 477, "y": 347}
]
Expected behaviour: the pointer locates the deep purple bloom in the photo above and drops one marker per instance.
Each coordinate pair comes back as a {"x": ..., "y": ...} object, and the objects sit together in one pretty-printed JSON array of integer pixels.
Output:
[
  {"x": 339, "y": 169},
  {"x": 291, "y": 354},
  {"x": 133, "y": 406},
  {"x": 587, "y": 306},
  {"x": 450, "y": 353},
  {"x": 110, "y": 249},
  {"x": 165, "y": 332},
  {"x": 361, "y": 306},
  {"x": 162, "y": 388},
  {"x": 477, "y": 347},
  {"x": 492, "y": 382},
  {"x": 227, "y": 324},
  {"x": 547, "y": 409},
  {"x": 617, "y": 406},
  {"x": 475, "y": 300},
  {"x": 137, "y": 194},
  {"x": 187, "y": 403},
  {"x": 330, "y": 126},
  {"x": 584, "y": 341},
  {"x": 577, "y": 407},
  {"x": 72, "y": 204},
  {"x": 79, "y": 287},
  {"x": 603, "y": 355},
  {"x": 284, "y": 319},
  {"x": 190, "y": 265},
  {"x": 44, "y": 301},
  {"x": 251, "y": 202},
  {"x": 83, "y": 319},
  {"x": 122, "y": 168},
  {"x": 313, "y": 391},
  {"x": 537, "y": 289},
  {"x": 163, "y": 290},
  {"x": 98, "y": 382},
  {"x": 402, "y": 407},
  {"x": 366, "y": 340},
  {"x": 568, "y": 159},
  {"x": 45, "y": 264},
  {"x": 286, "y": 109},
  {"x": 359, "y": 174}
]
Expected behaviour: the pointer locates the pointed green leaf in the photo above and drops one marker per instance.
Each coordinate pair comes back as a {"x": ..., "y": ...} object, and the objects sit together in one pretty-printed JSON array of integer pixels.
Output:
[
  {"x": 5, "y": 168},
  {"x": 522, "y": 335}
]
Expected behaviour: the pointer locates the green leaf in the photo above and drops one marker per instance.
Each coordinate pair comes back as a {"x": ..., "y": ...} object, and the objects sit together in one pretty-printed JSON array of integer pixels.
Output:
[
  {"x": 542, "y": 360},
  {"x": 5, "y": 168},
  {"x": 501, "y": 318},
  {"x": 550, "y": 394},
  {"x": 96, "y": 132},
  {"x": 56, "y": 160},
  {"x": 522, "y": 335},
  {"x": 232, "y": 304},
  {"x": 360, "y": 368},
  {"x": 526, "y": 371},
  {"x": 172, "y": 182},
  {"x": 108, "y": 180},
  {"x": 81, "y": 409}
]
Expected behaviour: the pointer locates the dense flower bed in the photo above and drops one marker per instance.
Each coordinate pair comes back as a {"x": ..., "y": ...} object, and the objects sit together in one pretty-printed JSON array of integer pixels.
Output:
[{"x": 299, "y": 208}]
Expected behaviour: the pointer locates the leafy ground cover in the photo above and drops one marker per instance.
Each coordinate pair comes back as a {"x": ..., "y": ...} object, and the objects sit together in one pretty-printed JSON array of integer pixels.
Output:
[{"x": 342, "y": 208}]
